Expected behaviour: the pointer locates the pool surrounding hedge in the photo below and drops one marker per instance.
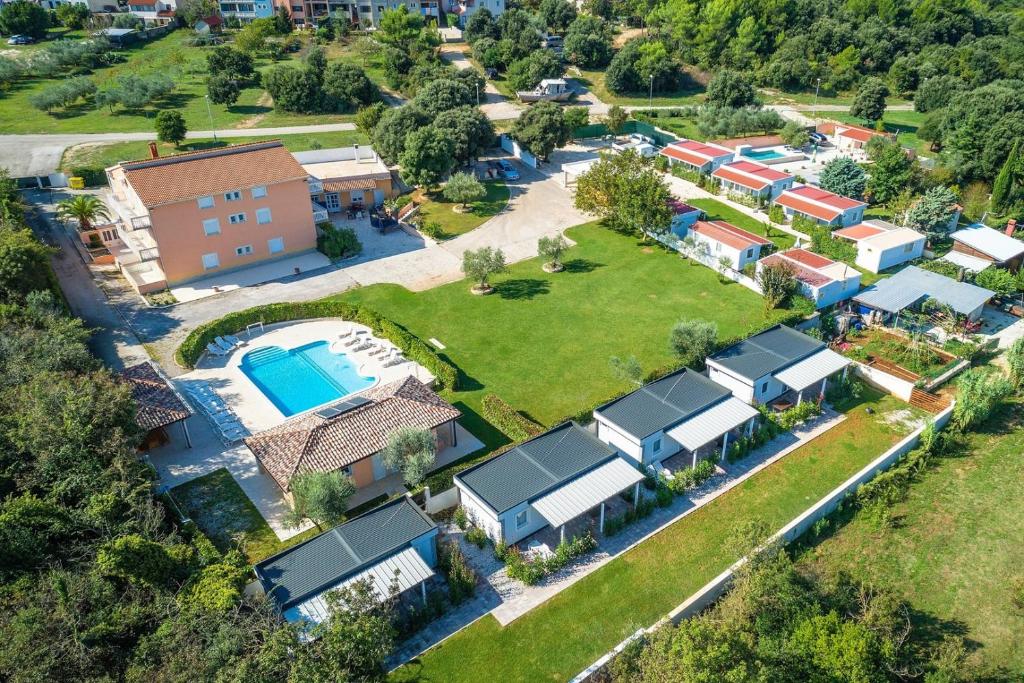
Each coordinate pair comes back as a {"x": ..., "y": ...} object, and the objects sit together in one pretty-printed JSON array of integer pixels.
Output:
[{"x": 414, "y": 348}]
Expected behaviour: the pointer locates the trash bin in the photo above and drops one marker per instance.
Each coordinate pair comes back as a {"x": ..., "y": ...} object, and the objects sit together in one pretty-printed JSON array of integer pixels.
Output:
[{"x": 76, "y": 182}]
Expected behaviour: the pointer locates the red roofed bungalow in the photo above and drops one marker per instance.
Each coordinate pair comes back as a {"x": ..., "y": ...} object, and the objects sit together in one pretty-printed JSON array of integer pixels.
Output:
[
  {"x": 821, "y": 206},
  {"x": 726, "y": 240},
  {"x": 822, "y": 280},
  {"x": 700, "y": 157},
  {"x": 753, "y": 179},
  {"x": 850, "y": 137}
]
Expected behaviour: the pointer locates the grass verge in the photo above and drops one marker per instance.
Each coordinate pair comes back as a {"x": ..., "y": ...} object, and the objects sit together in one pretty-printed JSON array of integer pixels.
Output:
[{"x": 453, "y": 223}]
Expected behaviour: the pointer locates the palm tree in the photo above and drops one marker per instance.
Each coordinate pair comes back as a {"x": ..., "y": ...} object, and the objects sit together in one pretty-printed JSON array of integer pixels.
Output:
[{"x": 85, "y": 208}]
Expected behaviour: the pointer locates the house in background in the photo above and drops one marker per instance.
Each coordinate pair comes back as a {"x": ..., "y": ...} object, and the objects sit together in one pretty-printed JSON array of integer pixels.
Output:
[
  {"x": 348, "y": 436},
  {"x": 699, "y": 157},
  {"x": 821, "y": 206},
  {"x": 752, "y": 179},
  {"x": 683, "y": 216},
  {"x": 549, "y": 481},
  {"x": 725, "y": 239},
  {"x": 822, "y": 280},
  {"x": 394, "y": 544},
  {"x": 683, "y": 416},
  {"x": 884, "y": 301},
  {"x": 154, "y": 12},
  {"x": 245, "y": 10},
  {"x": 342, "y": 177},
  {"x": 191, "y": 215},
  {"x": 464, "y": 9},
  {"x": 779, "y": 364},
  {"x": 848, "y": 137},
  {"x": 983, "y": 242},
  {"x": 882, "y": 245}
]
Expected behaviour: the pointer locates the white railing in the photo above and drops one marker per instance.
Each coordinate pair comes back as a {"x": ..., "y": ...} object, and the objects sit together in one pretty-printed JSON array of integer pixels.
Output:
[
  {"x": 315, "y": 186},
  {"x": 319, "y": 213}
]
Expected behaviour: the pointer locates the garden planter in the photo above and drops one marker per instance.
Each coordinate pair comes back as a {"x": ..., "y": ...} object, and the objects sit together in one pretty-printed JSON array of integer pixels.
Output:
[
  {"x": 481, "y": 291},
  {"x": 553, "y": 267}
]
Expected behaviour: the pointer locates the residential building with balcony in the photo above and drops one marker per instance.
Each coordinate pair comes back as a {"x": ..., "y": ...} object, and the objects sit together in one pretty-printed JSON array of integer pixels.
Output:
[
  {"x": 154, "y": 12},
  {"x": 360, "y": 12},
  {"x": 464, "y": 9},
  {"x": 247, "y": 10},
  {"x": 188, "y": 216},
  {"x": 344, "y": 178}
]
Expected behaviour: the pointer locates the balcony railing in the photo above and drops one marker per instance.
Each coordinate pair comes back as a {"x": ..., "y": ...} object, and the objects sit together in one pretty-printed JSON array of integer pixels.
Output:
[
  {"x": 151, "y": 254},
  {"x": 319, "y": 213},
  {"x": 139, "y": 222},
  {"x": 315, "y": 186}
]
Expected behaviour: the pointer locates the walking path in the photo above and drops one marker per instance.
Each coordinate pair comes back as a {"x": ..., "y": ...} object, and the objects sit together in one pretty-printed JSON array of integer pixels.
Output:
[{"x": 507, "y": 599}]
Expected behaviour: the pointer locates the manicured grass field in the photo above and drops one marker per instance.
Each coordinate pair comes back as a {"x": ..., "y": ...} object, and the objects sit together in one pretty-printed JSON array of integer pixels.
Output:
[
  {"x": 543, "y": 341},
  {"x": 903, "y": 123},
  {"x": 561, "y": 637},
  {"x": 824, "y": 97},
  {"x": 681, "y": 126},
  {"x": 102, "y": 156},
  {"x": 594, "y": 80},
  {"x": 222, "y": 511},
  {"x": 170, "y": 55},
  {"x": 717, "y": 211},
  {"x": 955, "y": 549},
  {"x": 437, "y": 209}
]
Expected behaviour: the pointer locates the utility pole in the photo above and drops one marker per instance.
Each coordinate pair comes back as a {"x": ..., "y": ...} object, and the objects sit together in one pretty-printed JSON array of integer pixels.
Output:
[{"x": 650, "y": 95}]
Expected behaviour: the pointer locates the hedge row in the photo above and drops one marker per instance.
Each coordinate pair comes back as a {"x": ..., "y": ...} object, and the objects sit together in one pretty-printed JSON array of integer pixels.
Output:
[
  {"x": 510, "y": 421},
  {"x": 93, "y": 176},
  {"x": 412, "y": 346}
]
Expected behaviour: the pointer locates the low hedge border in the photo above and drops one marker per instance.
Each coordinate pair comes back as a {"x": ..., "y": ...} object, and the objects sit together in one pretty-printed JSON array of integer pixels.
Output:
[
  {"x": 412, "y": 346},
  {"x": 510, "y": 421}
]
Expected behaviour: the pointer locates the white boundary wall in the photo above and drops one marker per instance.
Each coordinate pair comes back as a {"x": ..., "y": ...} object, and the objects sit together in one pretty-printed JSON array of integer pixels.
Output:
[
  {"x": 900, "y": 388},
  {"x": 714, "y": 589},
  {"x": 434, "y": 503}
]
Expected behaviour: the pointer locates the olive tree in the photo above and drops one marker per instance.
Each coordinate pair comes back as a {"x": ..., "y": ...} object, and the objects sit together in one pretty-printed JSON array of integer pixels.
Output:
[
  {"x": 482, "y": 263},
  {"x": 693, "y": 340},
  {"x": 777, "y": 282},
  {"x": 552, "y": 248},
  {"x": 410, "y": 451},
  {"x": 463, "y": 188},
  {"x": 321, "y": 497}
]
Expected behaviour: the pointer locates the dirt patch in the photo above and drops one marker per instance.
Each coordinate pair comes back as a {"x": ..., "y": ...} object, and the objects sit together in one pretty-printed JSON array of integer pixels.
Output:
[
  {"x": 901, "y": 418},
  {"x": 265, "y": 100},
  {"x": 626, "y": 36},
  {"x": 647, "y": 250}
]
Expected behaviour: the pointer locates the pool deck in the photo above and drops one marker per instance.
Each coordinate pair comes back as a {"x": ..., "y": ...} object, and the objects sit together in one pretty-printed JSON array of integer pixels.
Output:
[{"x": 224, "y": 375}]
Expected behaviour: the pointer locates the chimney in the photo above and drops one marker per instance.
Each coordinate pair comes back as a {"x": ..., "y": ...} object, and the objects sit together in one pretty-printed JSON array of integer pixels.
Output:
[
  {"x": 154, "y": 153},
  {"x": 1011, "y": 226}
]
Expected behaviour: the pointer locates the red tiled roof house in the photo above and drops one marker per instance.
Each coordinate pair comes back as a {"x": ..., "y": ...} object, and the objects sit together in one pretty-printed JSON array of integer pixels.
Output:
[
  {"x": 699, "y": 157},
  {"x": 821, "y": 206},
  {"x": 349, "y": 435},
  {"x": 192, "y": 215},
  {"x": 724, "y": 239},
  {"x": 752, "y": 179},
  {"x": 822, "y": 280}
]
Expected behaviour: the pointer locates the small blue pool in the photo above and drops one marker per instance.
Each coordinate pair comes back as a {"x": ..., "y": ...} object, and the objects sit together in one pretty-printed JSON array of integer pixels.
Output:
[
  {"x": 762, "y": 154},
  {"x": 304, "y": 377}
]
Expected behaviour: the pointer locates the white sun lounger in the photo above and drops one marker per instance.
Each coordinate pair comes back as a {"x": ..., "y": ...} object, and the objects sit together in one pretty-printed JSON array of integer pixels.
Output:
[
  {"x": 233, "y": 340},
  {"x": 215, "y": 350},
  {"x": 346, "y": 331},
  {"x": 223, "y": 343}
]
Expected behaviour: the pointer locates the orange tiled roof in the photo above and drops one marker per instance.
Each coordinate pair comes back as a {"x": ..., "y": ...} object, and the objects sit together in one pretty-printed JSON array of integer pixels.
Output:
[
  {"x": 816, "y": 194},
  {"x": 187, "y": 176},
  {"x": 809, "y": 277},
  {"x": 157, "y": 404},
  {"x": 858, "y": 232},
  {"x": 355, "y": 184},
  {"x": 729, "y": 234},
  {"x": 859, "y": 134},
  {"x": 803, "y": 206}
]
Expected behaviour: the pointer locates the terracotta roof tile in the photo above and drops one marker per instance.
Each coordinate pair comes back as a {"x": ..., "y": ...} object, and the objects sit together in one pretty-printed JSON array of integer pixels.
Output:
[
  {"x": 183, "y": 177},
  {"x": 816, "y": 194},
  {"x": 157, "y": 404},
  {"x": 801, "y": 205},
  {"x": 312, "y": 443},
  {"x": 858, "y": 232},
  {"x": 729, "y": 234},
  {"x": 357, "y": 184},
  {"x": 806, "y": 275}
]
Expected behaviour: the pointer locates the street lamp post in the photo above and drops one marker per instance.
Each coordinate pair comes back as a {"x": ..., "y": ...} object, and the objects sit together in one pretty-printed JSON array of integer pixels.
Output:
[
  {"x": 210, "y": 112},
  {"x": 650, "y": 95},
  {"x": 814, "y": 112}
]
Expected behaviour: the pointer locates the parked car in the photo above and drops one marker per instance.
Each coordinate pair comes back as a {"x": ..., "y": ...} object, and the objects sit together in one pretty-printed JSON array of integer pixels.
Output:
[
  {"x": 507, "y": 170},
  {"x": 19, "y": 39},
  {"x": 817, "y": 138}
]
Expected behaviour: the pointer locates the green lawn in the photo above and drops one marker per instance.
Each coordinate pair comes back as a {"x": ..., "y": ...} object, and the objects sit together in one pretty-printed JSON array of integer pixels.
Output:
[
  {"x": 543, "y": 341},
  {"x": 956, "y": 548},
  {"x": 717, "y": 211},
  {"x": 102, "y": 156},
  {"x": 594, "y": 80},
  {"x": 681, "y": 126},
  {"x": 558, "y": 639},
  {"x": 220, "y": 508},
  {"x": 437, "y": 209},
  {"x": 167, "y": 54},
  {"x": 772, "y": 96}
]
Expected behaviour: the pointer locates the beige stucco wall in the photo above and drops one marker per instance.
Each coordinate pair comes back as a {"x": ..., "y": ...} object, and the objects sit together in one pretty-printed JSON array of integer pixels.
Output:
[{"x": 178, "y": 230}]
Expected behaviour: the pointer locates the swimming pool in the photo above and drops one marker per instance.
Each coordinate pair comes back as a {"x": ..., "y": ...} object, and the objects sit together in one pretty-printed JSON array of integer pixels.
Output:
[
  {"x": 304, "y": 377},
  {"x": 762, "y": 154}
]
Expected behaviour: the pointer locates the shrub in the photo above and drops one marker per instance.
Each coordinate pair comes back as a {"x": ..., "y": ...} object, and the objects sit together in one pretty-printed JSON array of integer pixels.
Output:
[
  {"x": 458, "y": 574},
  {"x": 532, "y": 570},
  {"x": 511, "y": 422},
  {"x": 791, "y": 417},
  {"x": 413, "y": 347},
  {"x": 776, "y": 214},
  {"x": 477, "y": 537},
  {"x": 643, "y": 509},
  {"x": 460, "y": 518},
  {"x": 337, "y": 243},
  {"x": 687, "y": 479},
  {"x": 663, "y": 496}
]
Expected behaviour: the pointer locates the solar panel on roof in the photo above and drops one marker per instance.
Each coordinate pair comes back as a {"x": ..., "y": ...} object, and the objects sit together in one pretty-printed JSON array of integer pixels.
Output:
[{"x": 342, "y": 407}]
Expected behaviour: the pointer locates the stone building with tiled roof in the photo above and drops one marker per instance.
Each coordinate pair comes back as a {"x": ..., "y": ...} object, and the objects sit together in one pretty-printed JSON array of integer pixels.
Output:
[
  {"x": 157, "y": 404},
  {"x": 349, "y": 435}
]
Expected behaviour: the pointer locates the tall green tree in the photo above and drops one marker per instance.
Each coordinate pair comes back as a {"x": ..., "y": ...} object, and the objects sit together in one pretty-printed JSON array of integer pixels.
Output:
[
  {"x": 627, "y": 193},
  {"x": 542, "y": 128},
  {"x": 412, "y": 452},
  {"x": 932, "y": 213},
  {"x": 463, "y": 188},
  {"x": 892, "y": 172},
  {"x": 428, "y": 156},
  {"x": 170, "y": 126},
  {"x": 24, "y": 18},
  {"x": 321, "y": 497},
  {"x": 693, "y": 341},
  {"x": 869, "y": 103},
  {"x": 1007, "y": 179},
  {"x": 843, "y": 176},
  {"x": 733, "y": 89}
]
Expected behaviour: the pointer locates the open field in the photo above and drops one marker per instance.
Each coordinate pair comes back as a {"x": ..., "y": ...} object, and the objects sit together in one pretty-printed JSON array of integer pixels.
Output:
[
  {"x": 170, "y": 55},
  {"x": 903, "y": 123},
  {"x": 543, "y": 341},
  {"x": 717, "y": 211},
  {"x": 955, "y": 549},
  {"x": 594, "y": 80},
  {"x": 453, "y": 223},
  {"x": 102, "y": 156},
  {"x": 561, "y": 637}
]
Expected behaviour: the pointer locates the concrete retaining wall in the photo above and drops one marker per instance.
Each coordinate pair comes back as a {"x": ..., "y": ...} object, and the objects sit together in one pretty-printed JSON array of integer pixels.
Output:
[
  {"x": 933, "y": 384},
  {"x": 713, "y": 590},
  {"x": 899, "y": 388},
  {"x": 441, "y": 501}
]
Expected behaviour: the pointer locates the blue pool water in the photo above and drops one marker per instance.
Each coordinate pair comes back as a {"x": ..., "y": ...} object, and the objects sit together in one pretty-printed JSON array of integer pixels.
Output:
[
  {"x": 304, "y": 377},
  {"x": 762, "y": 154}
]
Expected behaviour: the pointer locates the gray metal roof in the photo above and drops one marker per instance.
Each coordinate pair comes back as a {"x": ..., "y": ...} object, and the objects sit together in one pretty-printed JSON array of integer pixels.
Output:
[
  {"x": 711, "y": 424},
  {"x": 767, "y": 352},
  {"x": 913, "y": 283},
  {"x": 663, "y": 403},
  {"x": 325, "y": 561},
  {"x": 536, "y": 466},
  {"x": 583, "y": 493}
]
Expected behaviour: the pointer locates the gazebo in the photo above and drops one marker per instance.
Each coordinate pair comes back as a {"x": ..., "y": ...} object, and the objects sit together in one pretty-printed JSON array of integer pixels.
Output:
[{"x": 158, "y": 405}]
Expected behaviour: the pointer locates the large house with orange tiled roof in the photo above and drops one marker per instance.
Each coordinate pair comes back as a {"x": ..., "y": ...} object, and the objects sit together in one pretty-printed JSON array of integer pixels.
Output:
[
  {"x": 822, "y": 280},
  {"x": 698, "y": 157},
  {"x": 187, "y": 216},
  {"x": 755, "y": 180},
  {"x": 821, "y": 206},
  {"x": 848, "y": 137}
]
